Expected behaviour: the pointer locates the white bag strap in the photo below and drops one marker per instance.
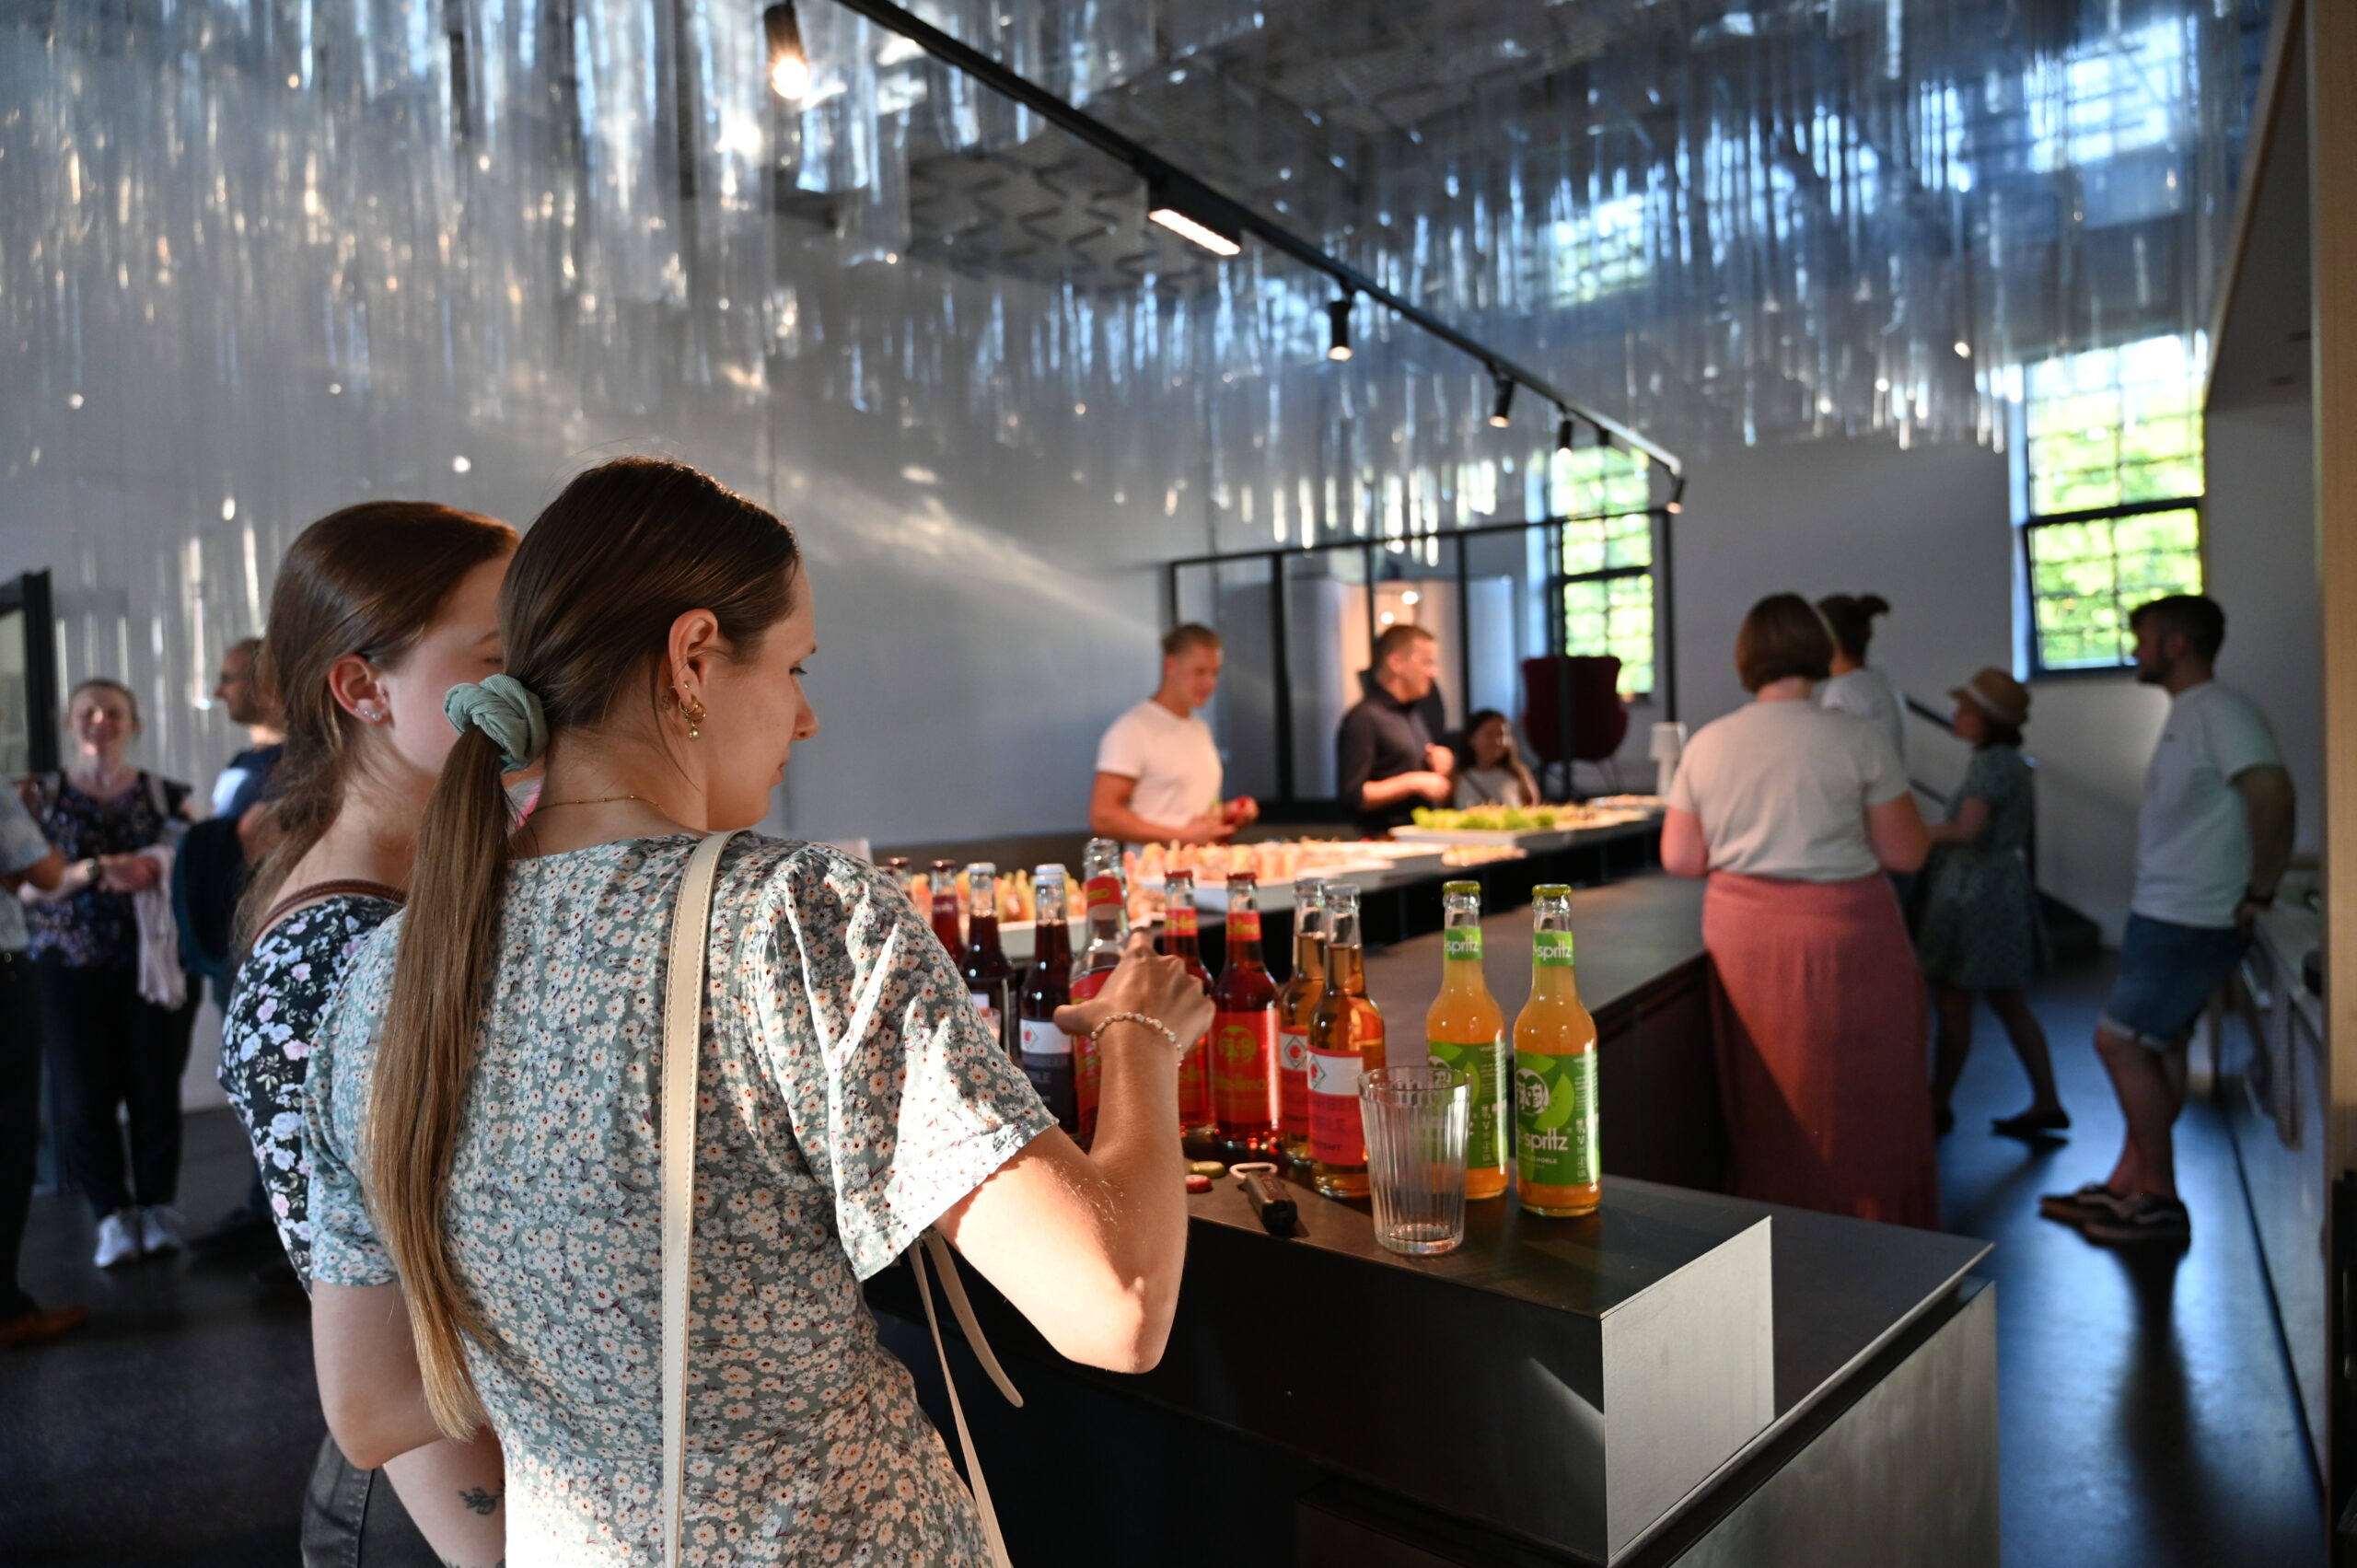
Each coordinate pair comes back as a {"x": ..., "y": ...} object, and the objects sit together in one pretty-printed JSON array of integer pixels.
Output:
[
  {"x": 933, "y": 1243},
  {"x": 682, "y": 1044}
]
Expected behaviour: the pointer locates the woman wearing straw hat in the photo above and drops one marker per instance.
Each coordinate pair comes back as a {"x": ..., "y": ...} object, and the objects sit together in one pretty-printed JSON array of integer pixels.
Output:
[{"x": 1981, "y": 930}]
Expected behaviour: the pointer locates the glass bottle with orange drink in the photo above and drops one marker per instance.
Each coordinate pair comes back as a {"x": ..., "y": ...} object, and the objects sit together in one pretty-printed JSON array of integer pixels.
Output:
[
  {"x": 1555, "y": 1117},
  {"x": 1182, "y": 938},
  {"x": 1295, "y": 1002},
  {"x": 1244, "y": 1029},
  {"x": 1346, "y": 1043},
  {"x": 1466, "y": 1029}
]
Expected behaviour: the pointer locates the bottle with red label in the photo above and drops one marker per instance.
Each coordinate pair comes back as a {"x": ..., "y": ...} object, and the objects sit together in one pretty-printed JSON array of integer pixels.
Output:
[
  {"x": 988, "y": 977},
  {"x": 947, "y": 911},
  {"x": 1182, "y": 938},
  {"x": 1045, "y": 1050},
  {"x": 1108, "y": 900},
  {"x": 1294, "y": 1005},
  {"x": 1346, "y": 1043},
  {"x": 1244, "y": 1029}
]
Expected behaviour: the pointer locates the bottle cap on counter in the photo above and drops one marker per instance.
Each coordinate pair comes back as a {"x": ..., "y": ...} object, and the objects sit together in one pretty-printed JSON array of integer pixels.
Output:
[
  {"x": 1206, "y": 1168},
  {"x": 1197, "y": 1183}
]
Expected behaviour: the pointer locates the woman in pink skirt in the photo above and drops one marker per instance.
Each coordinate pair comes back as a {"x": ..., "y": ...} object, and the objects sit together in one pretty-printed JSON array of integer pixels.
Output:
[{"x": 1794, "y": 812}]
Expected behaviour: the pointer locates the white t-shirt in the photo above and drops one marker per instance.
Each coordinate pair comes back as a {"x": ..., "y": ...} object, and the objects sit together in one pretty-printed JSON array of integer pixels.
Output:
[
  {"x": 1868, "y": 694},
  {"x": 2193, "y": 831},
  {"x": 1174, "y": 760},
  {"x": 1781, "y": 789}
]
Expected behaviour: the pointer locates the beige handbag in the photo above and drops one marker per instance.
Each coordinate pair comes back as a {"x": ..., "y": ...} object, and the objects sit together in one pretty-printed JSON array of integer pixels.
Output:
[{"x": 682, "y": 1045}]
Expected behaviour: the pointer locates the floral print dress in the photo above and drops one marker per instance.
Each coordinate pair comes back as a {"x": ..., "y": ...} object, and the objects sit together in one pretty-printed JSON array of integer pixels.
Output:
[
  {"x": 850, "y": 1094},
  {"x": 267, "y": 1036},
  {"x": 1981, "y": 928}
]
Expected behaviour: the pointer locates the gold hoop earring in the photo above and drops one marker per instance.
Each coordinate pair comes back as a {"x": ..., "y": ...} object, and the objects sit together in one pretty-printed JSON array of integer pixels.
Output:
[{"x": 693, "y": 712}]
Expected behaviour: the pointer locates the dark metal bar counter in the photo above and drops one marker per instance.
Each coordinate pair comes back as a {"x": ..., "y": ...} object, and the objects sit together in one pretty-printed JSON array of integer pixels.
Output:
[{"x": 1671, "y": 1380}]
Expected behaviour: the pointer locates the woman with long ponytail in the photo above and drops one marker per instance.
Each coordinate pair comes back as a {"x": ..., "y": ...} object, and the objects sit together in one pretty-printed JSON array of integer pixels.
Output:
[
  {"x": 377, "y": 611},
  {"x": 482, "y": 1113}
]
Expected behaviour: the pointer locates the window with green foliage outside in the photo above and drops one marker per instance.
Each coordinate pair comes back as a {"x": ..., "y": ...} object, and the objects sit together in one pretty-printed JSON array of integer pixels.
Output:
[
  {"x": 2112, "y": 464},
  {"x": 1608, "y": 559}
]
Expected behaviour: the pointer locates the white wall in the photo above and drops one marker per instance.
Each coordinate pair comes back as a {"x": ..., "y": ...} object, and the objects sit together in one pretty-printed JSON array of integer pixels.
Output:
[
  {"x": 2260, "y": 520},
  {"x": 1929, "y": 530}
]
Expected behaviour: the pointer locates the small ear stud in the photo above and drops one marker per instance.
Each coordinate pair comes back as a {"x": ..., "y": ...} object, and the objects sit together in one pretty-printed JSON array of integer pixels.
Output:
[{"x": 371, "y": 714}]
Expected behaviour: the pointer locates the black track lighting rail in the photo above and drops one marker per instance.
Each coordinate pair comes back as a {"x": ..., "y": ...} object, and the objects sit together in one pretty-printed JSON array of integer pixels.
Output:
[{"x": 1222, "y": 213}]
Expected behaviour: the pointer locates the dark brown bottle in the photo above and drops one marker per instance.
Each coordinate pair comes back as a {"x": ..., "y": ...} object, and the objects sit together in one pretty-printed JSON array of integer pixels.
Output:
[
  {"x": 1045, "y": 1050},
  {"x": 988, "y": 977}
]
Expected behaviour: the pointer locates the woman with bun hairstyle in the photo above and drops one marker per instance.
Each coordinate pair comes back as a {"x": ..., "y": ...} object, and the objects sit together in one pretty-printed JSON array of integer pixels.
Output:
[
  {"x": 1980, "y": 931},
  {"x": 378, "y": 610},
  {"x": 482, "y": 1112},
  {"x": 1854, "y": 688},
  {"x": 1795, "y": 814}
]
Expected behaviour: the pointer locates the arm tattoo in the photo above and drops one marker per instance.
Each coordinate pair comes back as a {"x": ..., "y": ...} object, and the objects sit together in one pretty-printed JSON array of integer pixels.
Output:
[{"x": 483, "y": 1502}]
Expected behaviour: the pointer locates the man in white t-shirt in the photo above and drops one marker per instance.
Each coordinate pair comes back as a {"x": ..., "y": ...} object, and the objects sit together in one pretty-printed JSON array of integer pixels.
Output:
[
  {"x": 1158, "y": 771},
  {"x": 2212, "y": 838}
]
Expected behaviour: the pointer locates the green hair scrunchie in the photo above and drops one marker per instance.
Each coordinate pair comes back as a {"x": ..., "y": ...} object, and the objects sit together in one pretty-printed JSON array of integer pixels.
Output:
[{"x": 504, "y": 709}]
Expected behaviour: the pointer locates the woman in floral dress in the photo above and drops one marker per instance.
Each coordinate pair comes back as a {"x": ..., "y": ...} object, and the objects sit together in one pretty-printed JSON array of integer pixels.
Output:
[
  {"x": 114, "y": 1050},
  {"x": 378, "y": 610},
  {"x": 1980, "y": 933},
  {"x": 481, "y": 1112}
]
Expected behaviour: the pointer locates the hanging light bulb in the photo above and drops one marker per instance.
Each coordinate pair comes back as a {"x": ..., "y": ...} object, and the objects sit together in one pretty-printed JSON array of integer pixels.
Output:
[
  {"x": 1502, "y": 412},
  {"x": 1565, "y": 431},
  {"x": 1337, "y": 340},
  {"x": 789, "y": 66}
]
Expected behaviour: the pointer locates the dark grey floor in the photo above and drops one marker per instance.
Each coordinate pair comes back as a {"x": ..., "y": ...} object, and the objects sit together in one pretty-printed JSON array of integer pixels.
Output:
[
  {"x": 2145, "y": 1408},
  {"x": 2148, "y": 1417}
]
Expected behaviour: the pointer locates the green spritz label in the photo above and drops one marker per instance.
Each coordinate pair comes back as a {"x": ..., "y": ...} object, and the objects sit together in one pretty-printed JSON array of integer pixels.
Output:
[
  {"x": 1461, "y": 942},
  {"x": 1555, "y": 1118},
  {"x": 1484, "y": 1063},
  {"x": 1551, "y": 947}
]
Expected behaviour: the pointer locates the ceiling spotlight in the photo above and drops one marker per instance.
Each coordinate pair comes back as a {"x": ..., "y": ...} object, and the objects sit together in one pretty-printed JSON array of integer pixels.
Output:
[
  {"x": 1337, "y": 340},
  {"x": 1502, "y": 412},
  {"x": 1963, "y": 349},
  {"x": 1185, "y": 209},
  {"x": 789, "y": 66},
  {"x": 1565, "y": 431}
]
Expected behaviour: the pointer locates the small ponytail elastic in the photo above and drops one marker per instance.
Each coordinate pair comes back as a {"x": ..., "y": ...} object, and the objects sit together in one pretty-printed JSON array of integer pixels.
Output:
[{"x": 504, "y": 709}]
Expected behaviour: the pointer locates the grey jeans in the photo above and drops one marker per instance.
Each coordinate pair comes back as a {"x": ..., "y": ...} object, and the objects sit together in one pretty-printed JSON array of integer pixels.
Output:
[{"x": 351, "y": 1519}]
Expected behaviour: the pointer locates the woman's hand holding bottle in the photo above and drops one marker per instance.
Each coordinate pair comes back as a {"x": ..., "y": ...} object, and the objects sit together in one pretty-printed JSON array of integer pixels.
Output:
[{"x": 1146, "y": 982}]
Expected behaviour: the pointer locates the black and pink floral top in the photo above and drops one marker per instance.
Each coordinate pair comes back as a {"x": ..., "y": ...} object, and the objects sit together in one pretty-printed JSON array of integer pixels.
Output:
[
  {"x": 850, "y": 1094},
  {"x": 95, "y": 929}
]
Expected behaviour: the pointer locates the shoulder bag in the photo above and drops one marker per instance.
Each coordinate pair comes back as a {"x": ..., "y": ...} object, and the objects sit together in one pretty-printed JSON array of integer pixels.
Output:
[{"x": 682, "y": 1047}]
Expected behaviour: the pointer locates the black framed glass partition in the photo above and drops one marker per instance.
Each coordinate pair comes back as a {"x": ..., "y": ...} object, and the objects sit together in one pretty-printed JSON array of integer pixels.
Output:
[{"x": 1300, "y": 626}]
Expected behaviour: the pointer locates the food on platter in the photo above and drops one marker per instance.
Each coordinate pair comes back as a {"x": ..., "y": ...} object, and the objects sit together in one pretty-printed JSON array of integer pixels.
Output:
[
  {"x": 1018, "y": 902},
  {"x": 1499, "y": 818},
  {"x": 1458, "y": 856},
  {"x": 1273, "y": 859}
]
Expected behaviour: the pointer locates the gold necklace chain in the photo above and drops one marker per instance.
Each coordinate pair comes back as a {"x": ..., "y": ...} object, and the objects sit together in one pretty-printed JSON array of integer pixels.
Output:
[{"x": 602, "y": 800}]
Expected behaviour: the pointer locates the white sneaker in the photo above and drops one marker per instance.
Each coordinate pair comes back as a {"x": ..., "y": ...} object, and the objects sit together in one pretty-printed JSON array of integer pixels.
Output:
[
  {"x": 159, "y": 1230},
  {"x": 118, "y": 1238}
]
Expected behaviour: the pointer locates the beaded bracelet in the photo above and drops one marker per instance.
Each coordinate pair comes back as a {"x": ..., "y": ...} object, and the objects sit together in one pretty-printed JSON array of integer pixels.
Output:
[{"x": 1156, "y": 1025}]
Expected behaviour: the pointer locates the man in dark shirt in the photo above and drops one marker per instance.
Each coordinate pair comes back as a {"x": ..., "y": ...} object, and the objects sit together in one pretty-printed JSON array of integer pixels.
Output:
[
  {"x": 1388, "y": 764},
  {"x": 240, "y": 692}
]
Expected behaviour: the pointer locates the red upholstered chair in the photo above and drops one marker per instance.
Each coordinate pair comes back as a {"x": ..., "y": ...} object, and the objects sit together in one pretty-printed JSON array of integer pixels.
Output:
[{"x": 1572, "y": 712}]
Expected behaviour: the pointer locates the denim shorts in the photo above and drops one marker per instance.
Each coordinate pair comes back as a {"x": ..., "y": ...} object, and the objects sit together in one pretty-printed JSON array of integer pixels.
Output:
[{"x": 2167, "y": 975}]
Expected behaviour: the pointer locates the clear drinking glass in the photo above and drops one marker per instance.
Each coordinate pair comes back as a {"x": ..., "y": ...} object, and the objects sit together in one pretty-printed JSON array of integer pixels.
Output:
[{"x": 1416, "y": 1120}]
